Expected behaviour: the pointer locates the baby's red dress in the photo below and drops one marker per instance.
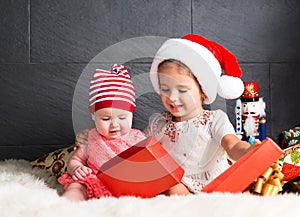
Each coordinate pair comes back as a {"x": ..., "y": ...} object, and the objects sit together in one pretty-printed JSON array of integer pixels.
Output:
[{"x": 99, "y": 150}]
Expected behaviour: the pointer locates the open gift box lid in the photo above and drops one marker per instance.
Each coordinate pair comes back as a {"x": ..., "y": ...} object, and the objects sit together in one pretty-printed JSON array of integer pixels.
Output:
[
  {"x": 144, "y": 170},
  {"x": 244, "y": 171}
]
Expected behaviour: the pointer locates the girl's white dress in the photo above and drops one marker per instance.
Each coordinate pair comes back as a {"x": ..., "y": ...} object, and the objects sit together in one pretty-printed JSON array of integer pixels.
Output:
[{"x": 195, "y": 144}]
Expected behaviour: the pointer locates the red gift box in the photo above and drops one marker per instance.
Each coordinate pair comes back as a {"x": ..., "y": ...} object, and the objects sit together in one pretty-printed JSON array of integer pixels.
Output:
[
  {"x": 291, "y": 162},
  {"x": 290, "y": 171},
  {"x": 244, "y": 171},
  {"x": 144, "y": 170}
]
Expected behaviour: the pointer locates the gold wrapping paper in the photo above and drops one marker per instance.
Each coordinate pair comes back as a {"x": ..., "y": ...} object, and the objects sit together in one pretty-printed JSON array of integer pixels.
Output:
[{"x": 268, "y": 183}]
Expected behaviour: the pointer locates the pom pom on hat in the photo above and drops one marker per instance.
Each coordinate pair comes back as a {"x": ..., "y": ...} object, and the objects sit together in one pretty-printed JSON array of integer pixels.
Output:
[
  {"x": 205, "y": 59},
  {"x": 112, "y": 88},
  {"x": 230, "y": 87}
]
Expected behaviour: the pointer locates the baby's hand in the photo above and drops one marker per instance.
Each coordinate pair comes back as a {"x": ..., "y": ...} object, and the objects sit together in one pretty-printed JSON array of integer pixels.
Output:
[
  {"x": 81, "y": 172},
  {"x": 82, "y": 137}
]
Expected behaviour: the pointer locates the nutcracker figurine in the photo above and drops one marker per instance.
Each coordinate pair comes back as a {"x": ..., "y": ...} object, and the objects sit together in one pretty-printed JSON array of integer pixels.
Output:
[{"x": 250, "y": 114}]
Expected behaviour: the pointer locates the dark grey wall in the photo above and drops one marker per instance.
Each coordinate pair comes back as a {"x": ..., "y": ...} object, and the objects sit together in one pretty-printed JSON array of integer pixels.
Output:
[{"x": 46, "y": 44}]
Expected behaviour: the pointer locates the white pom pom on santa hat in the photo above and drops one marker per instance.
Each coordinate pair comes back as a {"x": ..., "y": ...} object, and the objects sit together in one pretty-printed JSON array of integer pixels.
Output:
[{"x": 230, "y": 85}]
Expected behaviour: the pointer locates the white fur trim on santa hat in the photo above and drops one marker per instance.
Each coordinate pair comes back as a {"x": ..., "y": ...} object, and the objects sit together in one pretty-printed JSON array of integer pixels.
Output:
[
  {"x": 198, "y": 58},
  {"x": 230, "y": 87}
]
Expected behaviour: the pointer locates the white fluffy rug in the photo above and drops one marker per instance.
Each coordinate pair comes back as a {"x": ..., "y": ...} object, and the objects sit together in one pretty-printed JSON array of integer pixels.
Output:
[{"x": 32, "y": 192}]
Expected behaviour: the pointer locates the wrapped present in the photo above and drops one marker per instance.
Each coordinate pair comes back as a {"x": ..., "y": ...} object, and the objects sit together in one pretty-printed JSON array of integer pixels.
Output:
[
  {"x": 290, "y": 162},
  {"x": 290, "y": 137},
  {"x": 247, "y": 169},
  {"x": 144, "y": 170}
]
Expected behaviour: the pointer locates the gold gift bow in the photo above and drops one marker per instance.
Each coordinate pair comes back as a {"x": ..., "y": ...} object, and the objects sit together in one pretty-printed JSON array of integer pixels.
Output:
[{"x": 268, "y": 183}]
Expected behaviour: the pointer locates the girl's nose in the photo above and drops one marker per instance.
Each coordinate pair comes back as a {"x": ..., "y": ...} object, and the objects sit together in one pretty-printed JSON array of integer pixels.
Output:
[{"x": 173, "y": 96}]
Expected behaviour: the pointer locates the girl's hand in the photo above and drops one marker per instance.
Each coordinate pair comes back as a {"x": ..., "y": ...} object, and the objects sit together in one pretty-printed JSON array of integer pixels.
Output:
[
  {"x": 256, "y": 143},
  {"x": 82, "y": 137},
  {"x": 81, "y": 172}
]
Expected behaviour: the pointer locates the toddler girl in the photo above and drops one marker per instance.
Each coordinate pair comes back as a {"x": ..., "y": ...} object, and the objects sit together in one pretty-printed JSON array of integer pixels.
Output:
[
  {"x": 112, "y": 102},
  {"x": 186, "y": 72}
]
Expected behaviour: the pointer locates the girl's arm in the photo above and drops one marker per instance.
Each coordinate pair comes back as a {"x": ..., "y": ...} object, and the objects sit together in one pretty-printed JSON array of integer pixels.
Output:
[
  {"x": 235, "y": 147},
  {"x": 82, "y": 137}
]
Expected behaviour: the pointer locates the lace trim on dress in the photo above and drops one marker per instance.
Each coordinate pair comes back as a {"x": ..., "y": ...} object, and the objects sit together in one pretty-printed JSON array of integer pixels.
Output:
[{"x": 173, "y": 129}]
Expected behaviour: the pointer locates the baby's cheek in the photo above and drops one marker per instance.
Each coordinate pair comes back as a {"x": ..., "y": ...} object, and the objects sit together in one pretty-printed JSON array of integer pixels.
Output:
[{"x": 126, "y": 126}]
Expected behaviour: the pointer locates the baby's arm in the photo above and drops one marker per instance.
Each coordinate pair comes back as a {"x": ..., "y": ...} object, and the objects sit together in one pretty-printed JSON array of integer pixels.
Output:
[
  {"x": 77, "y": 165},
  {"x": 235, "y": 147}
]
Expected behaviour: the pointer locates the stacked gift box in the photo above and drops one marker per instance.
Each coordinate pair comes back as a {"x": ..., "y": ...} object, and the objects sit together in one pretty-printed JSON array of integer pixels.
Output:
[{"x": 290, "y": 161}]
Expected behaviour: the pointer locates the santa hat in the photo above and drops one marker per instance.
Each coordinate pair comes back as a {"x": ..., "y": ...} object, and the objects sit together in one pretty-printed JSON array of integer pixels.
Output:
[
  {"x": 111, "y": 89},
  {"x": 205, "y": 59}
]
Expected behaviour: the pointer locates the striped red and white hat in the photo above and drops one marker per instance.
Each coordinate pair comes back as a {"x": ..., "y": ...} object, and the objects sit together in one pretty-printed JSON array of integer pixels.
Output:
[{"x": 112, "y": 88}]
